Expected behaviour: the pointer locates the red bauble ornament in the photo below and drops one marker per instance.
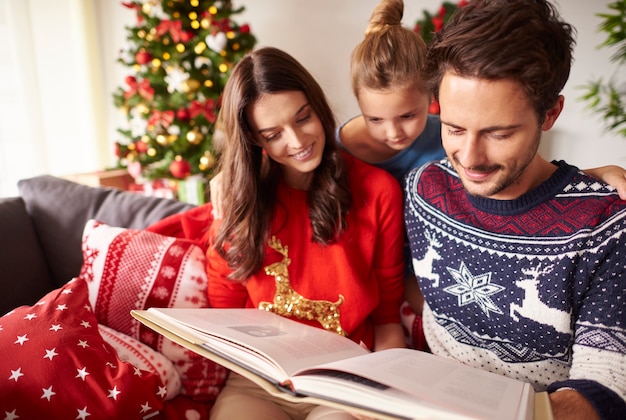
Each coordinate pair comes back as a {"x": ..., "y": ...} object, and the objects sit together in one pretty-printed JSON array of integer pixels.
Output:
[
  {"x": 141, "y": 147},
  {"x": 143, "y": 57},
  {"x": 180, "y": 168},
  {"x": 183, "y": 114},
  {"x": 434, "y": 108}
]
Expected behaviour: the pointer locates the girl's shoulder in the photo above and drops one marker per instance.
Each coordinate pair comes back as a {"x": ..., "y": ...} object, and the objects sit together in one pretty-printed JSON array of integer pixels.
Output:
[
  {"x": 352, "y": 134},
  {"x": 354, "y": 137}
]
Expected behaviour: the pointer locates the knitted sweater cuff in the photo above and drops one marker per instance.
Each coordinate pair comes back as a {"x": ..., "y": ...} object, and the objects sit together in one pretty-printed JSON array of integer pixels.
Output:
[{"x": 607, "y": 403}]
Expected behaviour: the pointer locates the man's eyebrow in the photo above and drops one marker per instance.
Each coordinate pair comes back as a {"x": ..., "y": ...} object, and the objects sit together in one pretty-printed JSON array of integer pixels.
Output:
[
  {"x": 486, "y": 129},
  {"x": 302, "y": 108}
]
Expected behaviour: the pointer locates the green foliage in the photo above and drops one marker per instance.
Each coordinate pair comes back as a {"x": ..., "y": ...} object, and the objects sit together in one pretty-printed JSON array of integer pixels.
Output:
[
  {"x": 607, "y": 98},
  {"x": 180, "y": 54},
  {"x": 432, "y": 23}
]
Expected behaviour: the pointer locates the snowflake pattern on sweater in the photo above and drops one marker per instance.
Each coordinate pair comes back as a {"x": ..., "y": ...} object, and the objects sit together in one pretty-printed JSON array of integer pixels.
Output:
[{"x": 531, "y": 288}]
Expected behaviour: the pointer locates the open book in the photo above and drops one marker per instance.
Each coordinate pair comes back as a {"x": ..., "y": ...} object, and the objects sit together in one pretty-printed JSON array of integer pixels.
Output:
[{"x": 308, "y": 364}]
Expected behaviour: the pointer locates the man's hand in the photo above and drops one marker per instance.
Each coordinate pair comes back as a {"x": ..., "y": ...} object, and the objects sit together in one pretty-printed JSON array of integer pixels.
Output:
[{"x": 568, "y": 404}]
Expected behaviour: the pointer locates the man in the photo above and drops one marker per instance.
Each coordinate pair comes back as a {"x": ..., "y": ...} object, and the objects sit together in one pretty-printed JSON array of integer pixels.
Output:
[{"x": 522, "y": 261}]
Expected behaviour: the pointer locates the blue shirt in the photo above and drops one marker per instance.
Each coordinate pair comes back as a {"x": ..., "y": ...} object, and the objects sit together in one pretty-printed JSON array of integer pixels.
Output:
[{"x": 426, "y": 148}]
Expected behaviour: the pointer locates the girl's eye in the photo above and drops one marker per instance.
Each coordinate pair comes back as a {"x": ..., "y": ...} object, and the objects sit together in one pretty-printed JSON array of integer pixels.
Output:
[
  {"x": 374, "y": 120},
  {"x": 454, "y": 132},
  {"x": 408, "y": 116}
]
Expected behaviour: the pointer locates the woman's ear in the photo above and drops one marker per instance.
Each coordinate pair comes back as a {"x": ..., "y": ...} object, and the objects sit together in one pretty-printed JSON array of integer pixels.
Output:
[{"x": 553, "y": 113}]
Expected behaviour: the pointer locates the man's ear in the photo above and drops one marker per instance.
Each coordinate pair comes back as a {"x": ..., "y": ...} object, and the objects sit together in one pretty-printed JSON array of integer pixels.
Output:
[{"x": 553, "y": 113}]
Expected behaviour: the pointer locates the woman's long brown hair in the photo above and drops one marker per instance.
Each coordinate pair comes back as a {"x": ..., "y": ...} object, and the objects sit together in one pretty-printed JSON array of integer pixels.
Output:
[{"x": 250, "y": 178}]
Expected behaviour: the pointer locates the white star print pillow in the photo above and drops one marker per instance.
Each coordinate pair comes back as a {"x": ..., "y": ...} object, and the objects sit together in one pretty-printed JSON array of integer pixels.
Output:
[{"x": 55, "y": 364}]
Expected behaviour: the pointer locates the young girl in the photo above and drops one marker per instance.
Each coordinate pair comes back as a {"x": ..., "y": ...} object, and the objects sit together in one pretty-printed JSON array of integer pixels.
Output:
[
  {"x": 394, "y": 131},
  {"x": 293, "y": 196}
]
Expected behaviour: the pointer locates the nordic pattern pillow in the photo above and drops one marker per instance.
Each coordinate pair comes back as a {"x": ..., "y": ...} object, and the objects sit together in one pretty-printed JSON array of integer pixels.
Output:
[
  {"x": 145, "y": 358},
  {"x": 128, "y": 269},
  {"x": 55, "y": 365}
]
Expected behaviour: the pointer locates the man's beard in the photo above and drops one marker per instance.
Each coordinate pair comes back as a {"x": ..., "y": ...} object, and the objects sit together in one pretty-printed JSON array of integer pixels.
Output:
[{"x": 500, "y": 184}]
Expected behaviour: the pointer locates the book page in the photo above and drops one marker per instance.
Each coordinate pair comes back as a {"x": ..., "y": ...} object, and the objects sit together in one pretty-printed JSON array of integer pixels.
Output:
[
  {"x": 438, "y": 382},
  {"x": 262, "y": 336}
]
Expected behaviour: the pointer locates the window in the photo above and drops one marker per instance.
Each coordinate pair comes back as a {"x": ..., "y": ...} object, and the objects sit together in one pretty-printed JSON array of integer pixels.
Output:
[{"x": 51, "y": 92}]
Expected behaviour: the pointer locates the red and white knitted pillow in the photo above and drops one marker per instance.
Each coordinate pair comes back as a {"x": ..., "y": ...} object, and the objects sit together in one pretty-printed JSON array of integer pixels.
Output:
[{"x": 128, "y": 269}]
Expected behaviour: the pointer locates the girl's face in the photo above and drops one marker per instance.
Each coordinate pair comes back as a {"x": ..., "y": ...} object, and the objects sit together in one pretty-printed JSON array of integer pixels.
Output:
[
  {"x": 285, "y": 125},
  {"x": 394, "y": 117}
]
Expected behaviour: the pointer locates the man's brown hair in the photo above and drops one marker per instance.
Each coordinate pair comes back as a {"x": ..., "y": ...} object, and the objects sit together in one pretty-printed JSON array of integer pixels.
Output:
[{"x": 521, "y": 40}]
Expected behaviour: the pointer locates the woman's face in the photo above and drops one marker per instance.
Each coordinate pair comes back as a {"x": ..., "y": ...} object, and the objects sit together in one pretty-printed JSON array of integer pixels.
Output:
[
  {"x": 285, "y": 125},
  {"x": 394, "y": 117}
]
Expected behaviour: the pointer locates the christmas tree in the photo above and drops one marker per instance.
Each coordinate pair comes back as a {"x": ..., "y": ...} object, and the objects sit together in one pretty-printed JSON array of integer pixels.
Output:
[{"x": 180, "y": 54}]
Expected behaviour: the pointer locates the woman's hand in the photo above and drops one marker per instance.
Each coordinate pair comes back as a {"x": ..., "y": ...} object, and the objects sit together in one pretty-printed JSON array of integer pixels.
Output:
[{"x": 612, "y": 175}]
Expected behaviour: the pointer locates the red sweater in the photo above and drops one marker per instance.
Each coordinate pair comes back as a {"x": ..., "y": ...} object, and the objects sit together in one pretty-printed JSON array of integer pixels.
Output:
[{"x": 365, "y": 266}]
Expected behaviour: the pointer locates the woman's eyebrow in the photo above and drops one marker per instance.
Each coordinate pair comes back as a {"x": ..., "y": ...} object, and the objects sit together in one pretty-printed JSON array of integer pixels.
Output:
[{"x": 302, "y": 108}]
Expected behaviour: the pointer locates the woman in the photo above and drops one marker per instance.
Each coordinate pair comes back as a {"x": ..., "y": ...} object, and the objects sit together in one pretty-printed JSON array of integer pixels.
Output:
[{"x": 293, "y": 196}]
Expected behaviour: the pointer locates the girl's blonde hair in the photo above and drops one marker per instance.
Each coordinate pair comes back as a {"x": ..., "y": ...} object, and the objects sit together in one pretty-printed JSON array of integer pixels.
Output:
[{"x": 390, "y": 56}]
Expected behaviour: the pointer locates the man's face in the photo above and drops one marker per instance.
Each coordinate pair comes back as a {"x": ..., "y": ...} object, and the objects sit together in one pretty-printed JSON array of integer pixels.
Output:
[{"x": 491, "y": 135}]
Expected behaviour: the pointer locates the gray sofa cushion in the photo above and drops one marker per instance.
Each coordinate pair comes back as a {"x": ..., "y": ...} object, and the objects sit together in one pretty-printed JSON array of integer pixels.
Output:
[
  {"x": 60, "y": 209},
  {"x": 24, "y": 276}
]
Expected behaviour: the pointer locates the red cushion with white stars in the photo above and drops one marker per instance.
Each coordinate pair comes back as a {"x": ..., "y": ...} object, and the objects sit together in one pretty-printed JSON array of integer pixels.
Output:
[
  {"x": 128, "y": 269},
  {"x": 55, "y": 365}
]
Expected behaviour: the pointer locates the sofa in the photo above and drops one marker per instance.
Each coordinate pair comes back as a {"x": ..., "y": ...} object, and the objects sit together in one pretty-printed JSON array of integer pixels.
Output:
[
  {"x": 41, "y": 231},
  {"x": 42, "y": 261}
]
